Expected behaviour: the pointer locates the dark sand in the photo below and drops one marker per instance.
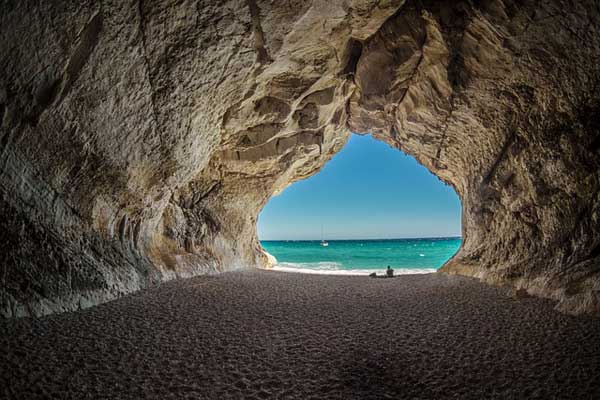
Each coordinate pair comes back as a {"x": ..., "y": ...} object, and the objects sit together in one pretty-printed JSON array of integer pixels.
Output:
[{"x": 262, "y": 335}]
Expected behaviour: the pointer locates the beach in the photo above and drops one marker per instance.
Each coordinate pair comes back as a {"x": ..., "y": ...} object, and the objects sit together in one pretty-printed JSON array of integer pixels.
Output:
[
  {"x": 361, "y": 256},
  {"x": 258, "y": 334}
]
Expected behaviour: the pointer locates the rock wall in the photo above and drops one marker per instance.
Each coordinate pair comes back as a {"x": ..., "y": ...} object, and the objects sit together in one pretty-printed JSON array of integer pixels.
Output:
[
  {"x": 500, "y": 101},
  {"x": 139, "y": 140}
]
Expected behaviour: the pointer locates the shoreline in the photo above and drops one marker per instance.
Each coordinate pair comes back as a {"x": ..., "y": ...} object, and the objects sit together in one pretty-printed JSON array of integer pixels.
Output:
[
  {"x": 360, "y": 257},
  {"x": 351, "y": 272}
]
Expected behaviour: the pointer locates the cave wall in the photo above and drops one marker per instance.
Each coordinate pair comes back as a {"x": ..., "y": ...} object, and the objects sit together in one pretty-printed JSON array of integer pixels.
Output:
[
  {"x": 500, "y": 101},
  {"x": 139, "y": 140}
]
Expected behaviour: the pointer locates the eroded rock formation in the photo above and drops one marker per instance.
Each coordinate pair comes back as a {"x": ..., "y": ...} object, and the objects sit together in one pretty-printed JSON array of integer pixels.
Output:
[{"x": 139, "y": 140}]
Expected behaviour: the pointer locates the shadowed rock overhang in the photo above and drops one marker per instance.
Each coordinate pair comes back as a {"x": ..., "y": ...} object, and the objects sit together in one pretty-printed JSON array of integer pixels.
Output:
[{"x": 139, "y": 140}]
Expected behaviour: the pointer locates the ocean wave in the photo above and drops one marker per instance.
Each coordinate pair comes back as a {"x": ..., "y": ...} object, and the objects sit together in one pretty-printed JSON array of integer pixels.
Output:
[
  {"x": 333, "y": 268},
  {"x": 316, "y": 266}
]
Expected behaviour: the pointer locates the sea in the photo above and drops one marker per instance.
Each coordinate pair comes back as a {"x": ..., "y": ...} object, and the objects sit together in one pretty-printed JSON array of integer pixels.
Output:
[{"x": 362, "y": 257}]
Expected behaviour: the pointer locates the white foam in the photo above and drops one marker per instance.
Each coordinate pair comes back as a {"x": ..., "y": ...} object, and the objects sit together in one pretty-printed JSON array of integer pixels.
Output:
[
  {"x": 332, "y": 268},
  {"x": 315, "y": 266}
]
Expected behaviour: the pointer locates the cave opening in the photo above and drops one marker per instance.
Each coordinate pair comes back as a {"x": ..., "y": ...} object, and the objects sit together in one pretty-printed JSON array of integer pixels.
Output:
[{"x": 370, "y": 206}]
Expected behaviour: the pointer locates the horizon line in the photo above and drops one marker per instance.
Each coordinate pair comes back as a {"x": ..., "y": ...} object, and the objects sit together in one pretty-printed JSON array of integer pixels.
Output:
[{"x": 399, "y": 238}]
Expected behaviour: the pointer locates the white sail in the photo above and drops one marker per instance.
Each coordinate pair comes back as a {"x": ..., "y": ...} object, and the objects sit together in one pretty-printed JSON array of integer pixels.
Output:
[{"x": 324, "y": 242}]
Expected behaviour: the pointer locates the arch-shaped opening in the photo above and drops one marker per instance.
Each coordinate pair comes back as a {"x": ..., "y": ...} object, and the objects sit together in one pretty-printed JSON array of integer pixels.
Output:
[
  {"x": 369, "y": 207},
  {"x": 114, "y": 181}
]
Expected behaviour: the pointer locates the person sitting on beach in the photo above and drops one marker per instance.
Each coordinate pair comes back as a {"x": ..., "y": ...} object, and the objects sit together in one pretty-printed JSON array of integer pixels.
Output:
[{"x": 389, "y": 272}]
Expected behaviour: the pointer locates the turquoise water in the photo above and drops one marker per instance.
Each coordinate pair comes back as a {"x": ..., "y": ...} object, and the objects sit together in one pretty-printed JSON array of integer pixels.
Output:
[{"x": 363, "y": 256}]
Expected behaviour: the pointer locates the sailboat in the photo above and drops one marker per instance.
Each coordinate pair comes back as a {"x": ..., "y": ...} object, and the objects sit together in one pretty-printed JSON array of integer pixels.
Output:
[{"x": 324, "y": 242}]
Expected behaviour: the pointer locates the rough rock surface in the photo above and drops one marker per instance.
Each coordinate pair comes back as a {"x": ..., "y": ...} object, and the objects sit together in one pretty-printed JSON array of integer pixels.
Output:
[{"x": 140, "y": 139}]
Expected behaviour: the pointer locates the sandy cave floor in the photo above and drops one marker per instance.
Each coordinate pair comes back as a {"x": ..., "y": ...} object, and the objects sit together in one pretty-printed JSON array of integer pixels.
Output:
[{"x": 261, "y": 335}]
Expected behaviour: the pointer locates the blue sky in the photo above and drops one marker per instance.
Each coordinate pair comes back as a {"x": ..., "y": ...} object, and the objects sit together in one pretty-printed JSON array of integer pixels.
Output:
[{"x": 368, "y": 190}]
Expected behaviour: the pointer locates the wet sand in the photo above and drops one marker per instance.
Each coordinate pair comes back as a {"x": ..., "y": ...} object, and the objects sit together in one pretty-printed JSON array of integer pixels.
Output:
[{"x": 263, "y": 335}]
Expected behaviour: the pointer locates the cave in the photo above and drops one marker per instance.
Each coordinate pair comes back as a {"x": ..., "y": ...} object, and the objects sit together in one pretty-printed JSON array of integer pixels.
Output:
[{"x": 140, "y": 141}]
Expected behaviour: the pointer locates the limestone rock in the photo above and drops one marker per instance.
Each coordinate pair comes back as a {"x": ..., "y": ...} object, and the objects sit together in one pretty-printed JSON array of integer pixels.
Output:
[{"x": 139, "y": 140}]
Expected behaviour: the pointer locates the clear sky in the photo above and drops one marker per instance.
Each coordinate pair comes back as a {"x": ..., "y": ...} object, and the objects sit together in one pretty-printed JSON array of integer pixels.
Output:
[{"x": 368, "y": 190}]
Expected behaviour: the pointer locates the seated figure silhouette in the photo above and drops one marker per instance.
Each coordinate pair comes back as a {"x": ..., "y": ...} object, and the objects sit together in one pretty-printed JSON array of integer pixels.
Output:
[{"x": 389, "y": 272}]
